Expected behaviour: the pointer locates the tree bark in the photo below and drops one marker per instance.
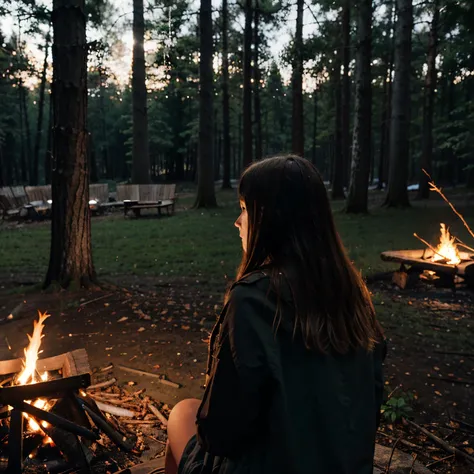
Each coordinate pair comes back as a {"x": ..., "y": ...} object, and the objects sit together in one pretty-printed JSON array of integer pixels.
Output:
[
  {"x": 26, "y": 118},
  {"x": 225, "y": 95},
  {"x": 70, "y": 256},
  {"x": 106, "y": 164},
  {"x": 337, "y": 165},
  {"x": 346, "y": 90},
  {"x": 140, "y": 150},
  {"x": 48, "y": 152},
  {"x": 23, "y": 152},
  {"x": 297, "y": 135},
  {"x": 247, "y": 103},
  {"x": 256, "y": 91},
  {"x": 397, "y": 195},
  {"x": 315, "y": 125},
  {"x": 205, "y": 193},
  {"x": 382, "y": 171},
  {"x": 428, "y": 107},
  {"x": 361, "y": 145},
  {"x": 39, "y": 124}
]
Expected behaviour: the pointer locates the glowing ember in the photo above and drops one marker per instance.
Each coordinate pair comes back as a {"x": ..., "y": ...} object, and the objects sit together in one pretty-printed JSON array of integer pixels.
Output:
[
  {"x": 29, "y": 374},
  {"x": 447, "y": 248}
]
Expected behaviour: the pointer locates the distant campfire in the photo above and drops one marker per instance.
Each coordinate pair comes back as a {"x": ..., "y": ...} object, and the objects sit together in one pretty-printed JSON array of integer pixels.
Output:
[{"x": 444, "y": 265}]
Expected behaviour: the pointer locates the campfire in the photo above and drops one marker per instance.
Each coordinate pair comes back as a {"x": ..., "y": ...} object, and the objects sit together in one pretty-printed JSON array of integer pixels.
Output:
[
  {"x": 52, "y": 418},
  {"x": 447, "y": 250},
  {"x": 444, "y": 265}
]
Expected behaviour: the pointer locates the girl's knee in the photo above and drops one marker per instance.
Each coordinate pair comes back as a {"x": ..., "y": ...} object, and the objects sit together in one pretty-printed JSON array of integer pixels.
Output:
[{"x": 183, "y": 413}]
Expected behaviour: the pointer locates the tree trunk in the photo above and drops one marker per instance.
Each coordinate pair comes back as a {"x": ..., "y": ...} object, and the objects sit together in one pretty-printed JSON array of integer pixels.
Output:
[
  {"x": 93, "y": 178},
  {"x": 386, "y": 106},
  {"x": 225, "y": 95},
  {"x": 428, "y": 107},
  {"x": 240, "y": 144},
  {"x": 337, "y": 164},
  {"x": 346, "y": 90},
  {"x": 361, "y": 145},
  {"x": 397, "y": 195},
  {"x": 48, "y": 152},
  {"x": 26, "y": 118},
  {"x": 297, "y": 135},
  {"x": 105, "y": 139},
  {"x": 23, "y": 152},
  {"x": 256, "y": 91},
  {"x": 39, "y": 123},
  {"x": 71, "y": 256},
  {"x": 3, "y": 169},
  {"x": 140, "y": 151},
  {"x": 315, "y": 125},
  {"x": 205, "y": 193},
  {"x": 247, "y": 106}
]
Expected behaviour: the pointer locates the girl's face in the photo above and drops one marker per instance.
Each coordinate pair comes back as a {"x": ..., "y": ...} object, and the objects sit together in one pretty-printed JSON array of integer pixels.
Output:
[{"x": 242, "y": 224}]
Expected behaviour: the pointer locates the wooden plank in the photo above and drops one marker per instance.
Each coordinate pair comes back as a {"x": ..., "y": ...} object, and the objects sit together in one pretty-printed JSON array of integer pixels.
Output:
[
  {"x": 414, "y": 257},
  {"x": 49, "y": 364},
  {"x": 50, "y": 389}
]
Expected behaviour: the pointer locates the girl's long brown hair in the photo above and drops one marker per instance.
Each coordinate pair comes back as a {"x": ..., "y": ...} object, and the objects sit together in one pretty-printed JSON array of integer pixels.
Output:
[{"x": 292, "y": 233}]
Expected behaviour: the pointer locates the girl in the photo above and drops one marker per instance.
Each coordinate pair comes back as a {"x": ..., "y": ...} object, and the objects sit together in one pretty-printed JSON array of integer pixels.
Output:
[{"x": 295, "y": 361}]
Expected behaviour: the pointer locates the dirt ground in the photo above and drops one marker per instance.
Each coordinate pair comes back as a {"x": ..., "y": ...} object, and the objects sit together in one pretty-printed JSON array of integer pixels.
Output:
[{"x": 164, "y": 330}]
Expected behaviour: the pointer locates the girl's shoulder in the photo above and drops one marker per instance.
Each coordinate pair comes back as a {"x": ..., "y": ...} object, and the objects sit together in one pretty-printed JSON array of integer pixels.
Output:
[{"x": 252, "y": 278}]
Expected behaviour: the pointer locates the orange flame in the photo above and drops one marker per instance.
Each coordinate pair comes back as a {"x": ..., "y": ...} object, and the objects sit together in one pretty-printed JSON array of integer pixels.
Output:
[
  {"x": 29, "y": 373},
  {"x": 447, "y": 248}
]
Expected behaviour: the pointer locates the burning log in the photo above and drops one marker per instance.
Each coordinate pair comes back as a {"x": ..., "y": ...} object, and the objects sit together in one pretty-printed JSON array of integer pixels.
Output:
[{"x": 63, "y": 410}]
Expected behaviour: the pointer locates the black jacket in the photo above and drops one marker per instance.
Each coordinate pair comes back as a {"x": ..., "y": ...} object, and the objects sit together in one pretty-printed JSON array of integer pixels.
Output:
[{"x": 273, "y": 407}]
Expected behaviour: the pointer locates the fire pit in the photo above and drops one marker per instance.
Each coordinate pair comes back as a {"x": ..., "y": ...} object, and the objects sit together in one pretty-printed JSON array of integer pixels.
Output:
[
  {"x": 43, "y": 406},
  {"x": 444, "y": 265}
]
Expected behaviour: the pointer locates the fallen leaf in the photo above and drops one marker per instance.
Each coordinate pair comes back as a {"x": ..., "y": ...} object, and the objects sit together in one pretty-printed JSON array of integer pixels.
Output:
[
  {"x": 141, "y": 329},
  {"x": 121, "y": 320},
  {"x": 438, "y": 393}
]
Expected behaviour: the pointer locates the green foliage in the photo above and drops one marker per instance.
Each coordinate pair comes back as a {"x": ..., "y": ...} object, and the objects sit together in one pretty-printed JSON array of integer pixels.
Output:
[{"x": 398, "y": 406}]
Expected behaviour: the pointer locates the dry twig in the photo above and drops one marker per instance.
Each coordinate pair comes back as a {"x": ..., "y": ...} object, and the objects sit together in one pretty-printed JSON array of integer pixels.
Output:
[
  {"x": 113, "y": 410},
  {"x": 428, "y": 245},
  {"x": 149, "y": 374},
  {"x": 387, "y": 469},
  {"x": 447, "y": 447},
  {"x": 105, "y": 384},
  {"x": 158, "y": 414},
  {"x": 413, "y": 463},
  {"x": 440, "y": 192}
]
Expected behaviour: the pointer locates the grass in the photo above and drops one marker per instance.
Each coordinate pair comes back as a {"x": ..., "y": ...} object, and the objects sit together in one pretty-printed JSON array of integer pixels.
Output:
[{"x": 205, "y": 245}]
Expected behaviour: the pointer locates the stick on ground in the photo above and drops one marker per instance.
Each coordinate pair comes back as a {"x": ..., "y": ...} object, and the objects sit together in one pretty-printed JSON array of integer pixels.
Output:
[
  {"x": 149, "y": 374},
  {"x": 105, "y": 384},
  {"x": 158, "y": 414},
  {"x": 447, "y": 447}
]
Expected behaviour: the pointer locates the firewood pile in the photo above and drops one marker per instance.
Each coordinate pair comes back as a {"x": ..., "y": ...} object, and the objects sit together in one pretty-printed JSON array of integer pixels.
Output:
[{"x": 132, "y": 412}]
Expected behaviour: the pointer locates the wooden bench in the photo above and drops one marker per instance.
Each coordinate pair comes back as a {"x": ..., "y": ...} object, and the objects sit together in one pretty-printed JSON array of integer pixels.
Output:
[
  {"x": 7, "y": 207},
  {"x": 12, "y": 200},
  {"x": 137, "y": 206},
  {"x": 39, "y": 193},
  {"x": 147, "y": 196}
]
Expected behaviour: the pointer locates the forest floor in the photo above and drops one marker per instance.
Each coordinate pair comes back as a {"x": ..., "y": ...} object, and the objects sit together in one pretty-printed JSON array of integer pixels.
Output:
[{"x": 170, "y": 275}]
